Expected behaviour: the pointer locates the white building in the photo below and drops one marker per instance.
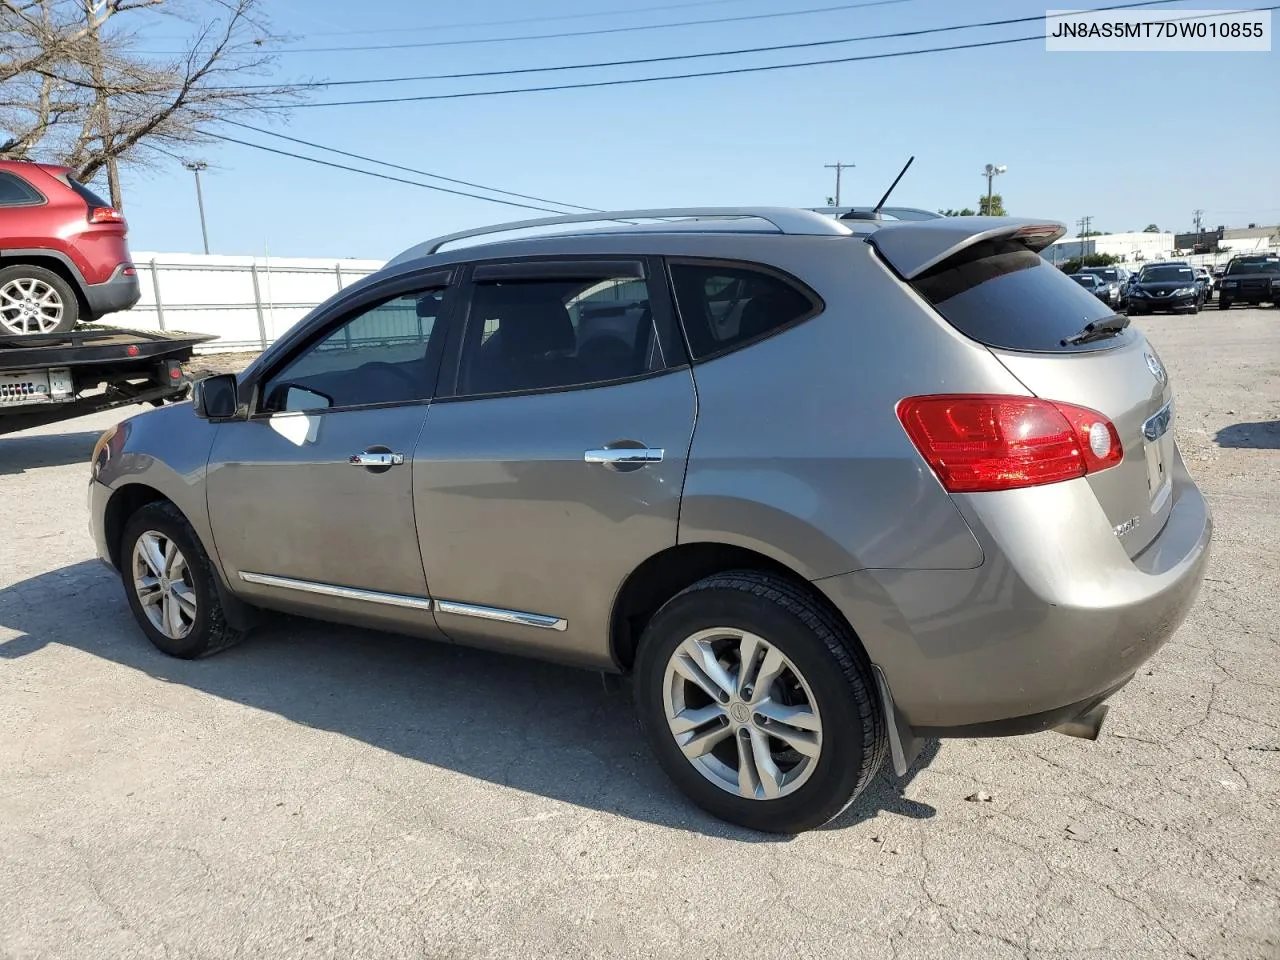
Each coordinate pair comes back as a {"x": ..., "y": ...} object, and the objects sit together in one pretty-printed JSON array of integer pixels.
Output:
[{"x": 1129, "y": 247}]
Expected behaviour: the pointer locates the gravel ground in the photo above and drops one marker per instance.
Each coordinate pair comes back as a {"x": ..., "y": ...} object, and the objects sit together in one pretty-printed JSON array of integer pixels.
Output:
[{"x": 326, "y": 792}]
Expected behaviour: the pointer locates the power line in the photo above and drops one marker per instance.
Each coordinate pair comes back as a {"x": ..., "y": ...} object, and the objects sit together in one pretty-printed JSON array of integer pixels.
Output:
[
  {"x": 601, "y": 31},
  {"x": 706, "y": 73},
  {"x": 421, "y": 173},
  {"x": 772, "y": 48},
  {"x": 381, "y": 176}
]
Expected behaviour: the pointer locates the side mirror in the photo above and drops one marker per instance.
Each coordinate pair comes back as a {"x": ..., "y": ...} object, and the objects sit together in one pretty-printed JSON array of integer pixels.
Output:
[{"x": 216, "y": 398}]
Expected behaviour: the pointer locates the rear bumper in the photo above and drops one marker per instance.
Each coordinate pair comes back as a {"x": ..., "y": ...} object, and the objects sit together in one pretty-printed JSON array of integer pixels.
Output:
[
  {"x": 1056, "y": 619},
  {"x": 119, "y": 292}
]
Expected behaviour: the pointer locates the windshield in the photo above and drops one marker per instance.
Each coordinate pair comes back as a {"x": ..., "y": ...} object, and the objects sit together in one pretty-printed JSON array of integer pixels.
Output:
[
  {"x": 1159, "y": 274},
  {"x": 1087, "y": 280},
  {"x": 1103, "y": 273},
  {"x": 1257, "y": 266}
]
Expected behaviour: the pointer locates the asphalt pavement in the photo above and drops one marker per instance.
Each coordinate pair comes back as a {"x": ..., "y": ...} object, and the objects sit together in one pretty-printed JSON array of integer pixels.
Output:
[{"x": 326, "y": 792}]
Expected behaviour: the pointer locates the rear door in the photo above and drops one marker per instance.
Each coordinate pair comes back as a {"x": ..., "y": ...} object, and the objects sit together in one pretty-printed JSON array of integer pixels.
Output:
[
  {"x": 1002, "y": 293},
  {"x": 555, "y": 468}
]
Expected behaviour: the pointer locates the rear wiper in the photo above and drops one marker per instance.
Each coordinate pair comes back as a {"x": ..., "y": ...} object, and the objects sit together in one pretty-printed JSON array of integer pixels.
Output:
[{"x": 1098, "y": 330}]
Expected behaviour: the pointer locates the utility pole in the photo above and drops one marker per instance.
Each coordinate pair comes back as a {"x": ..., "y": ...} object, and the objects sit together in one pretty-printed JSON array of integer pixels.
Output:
[
  {"x": 839, "y": 168},
  {"x": 1084, "y": 223},
  {"x": 1197, "y": 217},
  {"x": 101, "y": 106},
  {"x": 195, "y": 166},
  {"x": 991, "y": 171}
]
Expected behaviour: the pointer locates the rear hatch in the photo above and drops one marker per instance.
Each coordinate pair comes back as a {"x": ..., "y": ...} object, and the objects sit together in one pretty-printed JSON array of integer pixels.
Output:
[{"x": 987, "y": 279}]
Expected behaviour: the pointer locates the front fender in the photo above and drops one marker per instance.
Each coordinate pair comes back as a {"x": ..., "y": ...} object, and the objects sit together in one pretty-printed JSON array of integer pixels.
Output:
[{"x": 167, "y": 450}]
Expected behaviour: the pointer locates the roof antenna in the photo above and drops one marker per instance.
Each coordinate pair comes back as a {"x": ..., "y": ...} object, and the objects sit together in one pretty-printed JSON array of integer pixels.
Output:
[{"x": 874, "y": 213}]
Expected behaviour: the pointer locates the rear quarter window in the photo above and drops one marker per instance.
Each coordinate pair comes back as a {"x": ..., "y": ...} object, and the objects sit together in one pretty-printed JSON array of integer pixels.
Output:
[
  {"x": 727, "y": 305},
  {"x": 1004, "y": 295},
  {"x": 16, "y": 192}
]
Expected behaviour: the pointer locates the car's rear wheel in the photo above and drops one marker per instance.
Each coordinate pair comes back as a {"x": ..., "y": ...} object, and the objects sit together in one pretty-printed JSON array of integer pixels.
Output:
[
  {"x": 171, "y": 585},
  {"x": 759, "y": 702},
  {"x": 34, "y": 300},
  {"x": 1223, "y": 304}
]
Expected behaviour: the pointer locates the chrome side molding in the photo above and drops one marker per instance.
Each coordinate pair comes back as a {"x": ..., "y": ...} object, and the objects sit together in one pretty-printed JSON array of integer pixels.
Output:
[
  {"x": 522, "y": 617},
  {"x": 332, "y": 590},
  {"x": 504, "y": 616}
]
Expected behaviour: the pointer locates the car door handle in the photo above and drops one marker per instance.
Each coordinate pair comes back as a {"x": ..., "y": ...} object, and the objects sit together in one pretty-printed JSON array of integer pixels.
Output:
[
  {"x": 371, "y": 459},
  {"x": 623, "y": 456}
]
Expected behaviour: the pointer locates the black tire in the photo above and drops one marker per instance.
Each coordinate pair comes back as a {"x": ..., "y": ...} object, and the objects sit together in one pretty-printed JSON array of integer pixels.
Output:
[
  {"x": 70, "y": 304},
  {"x": 833, "y": 665},
  {"x": 1223, "y": 304},
  {"x": 210, "y": 632}
]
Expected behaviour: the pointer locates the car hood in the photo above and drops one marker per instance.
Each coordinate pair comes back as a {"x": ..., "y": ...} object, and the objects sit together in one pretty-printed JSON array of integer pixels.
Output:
[{"x": 1149, "y": 285}]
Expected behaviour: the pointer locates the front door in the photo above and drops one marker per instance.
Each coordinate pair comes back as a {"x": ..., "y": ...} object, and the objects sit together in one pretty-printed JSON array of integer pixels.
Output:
[
  {"x": 556, "y": 466},
  {"x": 311, "y": 498}
]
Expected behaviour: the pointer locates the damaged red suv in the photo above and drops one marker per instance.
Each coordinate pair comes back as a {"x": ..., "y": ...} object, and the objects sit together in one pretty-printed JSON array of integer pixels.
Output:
[{"x": 63, "y": 256}]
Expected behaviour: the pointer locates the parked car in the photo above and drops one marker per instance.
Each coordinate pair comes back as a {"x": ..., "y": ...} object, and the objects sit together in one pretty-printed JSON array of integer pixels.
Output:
[
  {"x": 1206, "y": 281},
  {"x": 63, "y": 255},
  {"x": 1250, "y": 279},
  {"x": 1094, "y": 284},
  {"x": 1168, "y": 286},
  {"x": 1115, "y": 280},
  {"x": 744, "y": 485}
]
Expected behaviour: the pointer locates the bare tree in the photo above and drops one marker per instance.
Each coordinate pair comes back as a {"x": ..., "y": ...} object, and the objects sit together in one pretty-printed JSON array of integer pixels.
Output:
[{"x": 75, "y": 87}]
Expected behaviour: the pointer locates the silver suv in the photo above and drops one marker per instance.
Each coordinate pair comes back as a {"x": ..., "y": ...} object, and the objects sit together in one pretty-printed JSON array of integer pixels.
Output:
[{"x": 825, "y": 488}]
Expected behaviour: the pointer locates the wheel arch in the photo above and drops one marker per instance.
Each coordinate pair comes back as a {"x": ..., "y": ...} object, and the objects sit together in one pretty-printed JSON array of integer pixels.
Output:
[
  {"x": 664, "y": 574},
  {"x": 127, "y": 500},
  {"x": 55, "y": 263},
  {"x": 124, "y": 502}
]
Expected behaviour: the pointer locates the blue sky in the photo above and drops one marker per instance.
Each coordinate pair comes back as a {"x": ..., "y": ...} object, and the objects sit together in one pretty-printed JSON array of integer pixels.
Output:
[{"x": 1127, "y": 138}]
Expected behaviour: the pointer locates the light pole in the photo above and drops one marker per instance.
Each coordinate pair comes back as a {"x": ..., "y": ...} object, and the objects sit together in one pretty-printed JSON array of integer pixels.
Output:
[
  {"x": 195, "y": 166},
  {"x": 990, "y": 171}
]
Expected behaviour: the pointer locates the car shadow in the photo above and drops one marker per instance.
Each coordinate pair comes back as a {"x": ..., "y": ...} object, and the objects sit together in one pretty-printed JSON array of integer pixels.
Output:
[
  {"x": 1263, "y": 435},
  {"x": 19, "y": 454},
  {"x": 546, "y": 729}
]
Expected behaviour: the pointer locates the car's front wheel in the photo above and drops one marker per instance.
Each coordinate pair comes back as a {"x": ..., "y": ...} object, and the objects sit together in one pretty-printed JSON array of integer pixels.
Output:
[
  {"x": 34, "y": 300},
  {"x": 171, "y": 584},
  {"x": 1223, "y": 304},
  {"x": 759, "y": 702}
]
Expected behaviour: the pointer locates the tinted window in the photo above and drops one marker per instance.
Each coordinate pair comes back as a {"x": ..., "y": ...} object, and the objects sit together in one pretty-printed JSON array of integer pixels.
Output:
[
  {"x": 723, "y": 306},
  {"x": 542, "y": 334},
  {"x": 383, "y": 354},
  {"x": 1004, "y": 295},
  {"x": 1254, "y": 266},
  {"x": 1169, "y": 274},
  {"x": 16, "y": 192},
  {"x": 87, "y": 195}
]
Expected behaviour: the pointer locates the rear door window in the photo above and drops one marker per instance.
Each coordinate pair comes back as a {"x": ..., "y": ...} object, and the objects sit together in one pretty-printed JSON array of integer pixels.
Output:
[
  {"x": 724, "y": 306},
  {"x": 16, "y": 192},
  {"x": 1002, "y": 294}
]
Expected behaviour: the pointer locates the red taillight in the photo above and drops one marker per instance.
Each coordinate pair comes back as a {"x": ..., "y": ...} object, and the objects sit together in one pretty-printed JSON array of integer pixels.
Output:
[
  {"x": 976, "y": 442},
  {"x": 105, "y": 215},
  {"x": 129, "y": 270}
]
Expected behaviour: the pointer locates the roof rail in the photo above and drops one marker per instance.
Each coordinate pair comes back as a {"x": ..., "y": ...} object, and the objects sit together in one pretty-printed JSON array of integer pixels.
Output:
[{"x": 787, "y": 220}]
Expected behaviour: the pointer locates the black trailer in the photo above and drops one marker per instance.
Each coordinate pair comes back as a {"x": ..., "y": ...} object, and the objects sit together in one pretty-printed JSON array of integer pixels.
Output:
[{"x": 50, "y": 377}]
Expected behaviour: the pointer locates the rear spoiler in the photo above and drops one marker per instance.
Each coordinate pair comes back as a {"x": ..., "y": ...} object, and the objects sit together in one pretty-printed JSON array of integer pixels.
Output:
[{"x": 914, "y": 247}]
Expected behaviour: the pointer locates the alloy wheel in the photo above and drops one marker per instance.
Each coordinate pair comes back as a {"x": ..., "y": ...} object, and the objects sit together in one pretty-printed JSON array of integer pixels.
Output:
[
  {"x": 163, "y": 584},
  {"x": 742, "y": 713},
  {"x": 29, "y": 305}
]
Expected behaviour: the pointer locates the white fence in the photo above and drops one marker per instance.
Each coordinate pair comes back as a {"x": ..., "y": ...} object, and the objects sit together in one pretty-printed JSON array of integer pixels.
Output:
[{"x": 247, "y": 302}]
